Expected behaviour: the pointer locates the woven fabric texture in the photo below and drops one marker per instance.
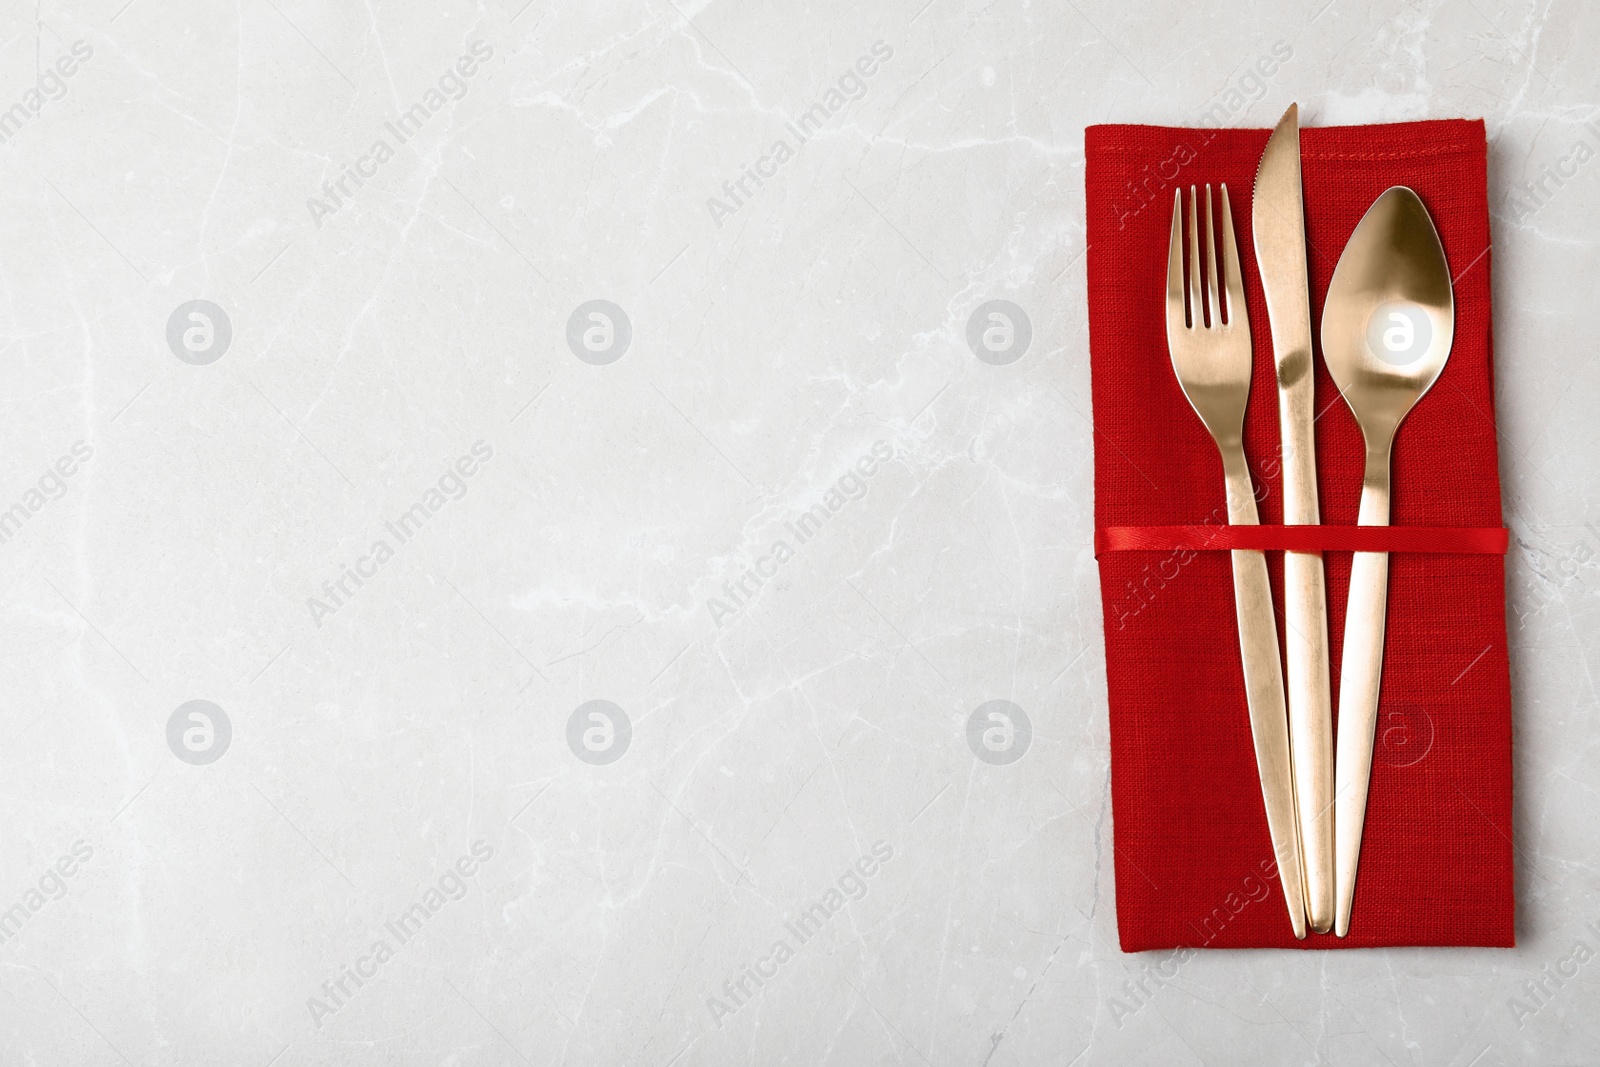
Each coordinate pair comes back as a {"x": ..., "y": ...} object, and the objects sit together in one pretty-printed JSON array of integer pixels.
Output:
[{"x": 1193, "y": 858}]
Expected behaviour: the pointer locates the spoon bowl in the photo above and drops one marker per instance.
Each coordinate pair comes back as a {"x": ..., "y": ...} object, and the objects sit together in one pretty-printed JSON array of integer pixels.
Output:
[
  {"x": 1387, "y": 327},
  {"x": 1389, "y": 319}
]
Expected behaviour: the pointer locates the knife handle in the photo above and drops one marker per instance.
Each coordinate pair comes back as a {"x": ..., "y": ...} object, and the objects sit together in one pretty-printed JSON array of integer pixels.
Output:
[
  {"x": 1263, "y": 683},
  {"x": 1360, "y": 678},
  {"x": 1305, "y": 608}
]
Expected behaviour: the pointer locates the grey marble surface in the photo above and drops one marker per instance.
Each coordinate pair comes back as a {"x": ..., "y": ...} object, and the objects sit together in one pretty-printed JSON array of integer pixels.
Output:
[{"x": 399, "y": 500}]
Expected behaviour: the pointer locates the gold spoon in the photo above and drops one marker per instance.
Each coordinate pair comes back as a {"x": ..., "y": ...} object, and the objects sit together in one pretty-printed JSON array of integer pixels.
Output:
[{"x": 1387, "y": 327}]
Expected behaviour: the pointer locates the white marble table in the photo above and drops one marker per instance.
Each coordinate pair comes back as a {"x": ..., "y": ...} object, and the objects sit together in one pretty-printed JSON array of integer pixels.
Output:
[{"x": 619, "y": 352}]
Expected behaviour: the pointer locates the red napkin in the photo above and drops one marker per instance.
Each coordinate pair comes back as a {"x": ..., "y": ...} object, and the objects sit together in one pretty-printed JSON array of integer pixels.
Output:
[{"x": 1193, "y": 858}]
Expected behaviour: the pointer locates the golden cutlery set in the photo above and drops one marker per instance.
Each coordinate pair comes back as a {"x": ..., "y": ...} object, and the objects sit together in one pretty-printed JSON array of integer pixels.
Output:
[{"x": 1387, "y": 326}]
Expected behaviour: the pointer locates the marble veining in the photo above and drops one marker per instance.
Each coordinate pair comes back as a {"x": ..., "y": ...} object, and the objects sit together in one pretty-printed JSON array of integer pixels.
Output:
[{"x": 561, "y": 533}]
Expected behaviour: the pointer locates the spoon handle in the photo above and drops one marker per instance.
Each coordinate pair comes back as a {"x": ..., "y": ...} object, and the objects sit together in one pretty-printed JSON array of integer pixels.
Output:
[{"x": 1360, "y": 676}]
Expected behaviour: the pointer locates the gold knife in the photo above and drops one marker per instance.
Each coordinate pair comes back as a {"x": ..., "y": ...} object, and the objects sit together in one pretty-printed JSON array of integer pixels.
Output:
[{"x": 1278, "y": 222}]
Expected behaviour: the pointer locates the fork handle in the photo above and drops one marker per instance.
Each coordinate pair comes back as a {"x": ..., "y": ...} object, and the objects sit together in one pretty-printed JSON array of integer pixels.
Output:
[
  {"x": 1360, "y": 678},
  {"x": 1263, "y": 682}
]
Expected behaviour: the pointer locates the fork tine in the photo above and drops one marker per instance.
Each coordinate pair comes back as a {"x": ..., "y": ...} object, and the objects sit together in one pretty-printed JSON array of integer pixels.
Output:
[
  {"x": 1211, "y": 265},
  {"x": 1237, "y": 313},
  {"x": 1175, "y": 314},
  {"x": 1196, "y": 314}
]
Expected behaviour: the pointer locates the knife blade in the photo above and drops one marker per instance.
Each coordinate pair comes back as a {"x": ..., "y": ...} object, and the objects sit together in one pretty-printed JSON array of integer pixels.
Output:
[{"x": 1278, "y": 225}]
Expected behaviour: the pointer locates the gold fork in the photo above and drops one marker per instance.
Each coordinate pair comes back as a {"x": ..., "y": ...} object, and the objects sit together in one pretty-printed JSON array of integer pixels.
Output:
[{"x": 1211, "y": 354}]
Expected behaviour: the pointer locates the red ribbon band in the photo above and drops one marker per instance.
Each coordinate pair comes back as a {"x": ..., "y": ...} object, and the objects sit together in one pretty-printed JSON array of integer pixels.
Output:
[{"x": 1449, "y": 540}]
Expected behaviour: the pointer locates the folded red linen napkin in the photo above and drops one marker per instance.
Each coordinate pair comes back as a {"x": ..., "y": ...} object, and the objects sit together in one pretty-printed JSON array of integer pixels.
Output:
[{"x": 1193, "y": 858}]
